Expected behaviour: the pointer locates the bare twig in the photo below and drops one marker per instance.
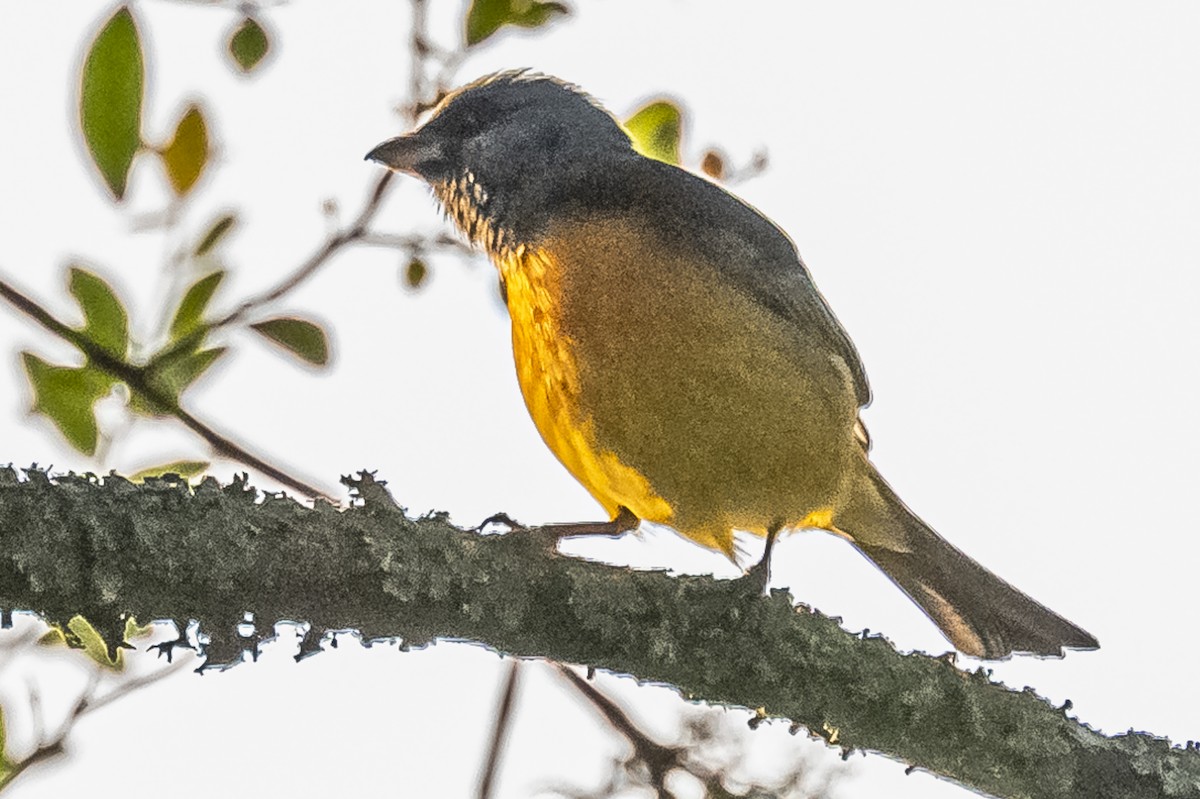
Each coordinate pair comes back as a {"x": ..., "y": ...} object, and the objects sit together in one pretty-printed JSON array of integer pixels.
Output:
[
  {"x": 415, "y": 243},
  {"x": 753, "y": 168},
  {"x": 13, "y": 645},
  {"x": 500, "y": 733},
  {"x": 419, "y": 48},
  {"x": 422, "y": 49},
  {"x": 43, "y": 317},
  {"x": 355, "y": 231},
  {"x": 426, "y": 92},
  {"x": 47, "y": 749},
  {"x": 137, "y": 379},
  {"x": 91, "y": 703},
  {"x": 659, "y": 760}
]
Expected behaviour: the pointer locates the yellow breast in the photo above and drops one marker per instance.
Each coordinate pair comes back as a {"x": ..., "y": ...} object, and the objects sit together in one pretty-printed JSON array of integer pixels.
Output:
[{"x": 548, "y": 375}]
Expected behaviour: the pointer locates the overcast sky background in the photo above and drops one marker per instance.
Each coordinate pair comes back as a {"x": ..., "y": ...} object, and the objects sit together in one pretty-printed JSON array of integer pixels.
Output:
[{"x": 1000, "y": 202}]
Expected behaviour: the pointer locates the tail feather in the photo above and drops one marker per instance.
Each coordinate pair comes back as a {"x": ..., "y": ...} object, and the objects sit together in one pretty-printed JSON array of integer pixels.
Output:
[{"x": 981, "y": 614}]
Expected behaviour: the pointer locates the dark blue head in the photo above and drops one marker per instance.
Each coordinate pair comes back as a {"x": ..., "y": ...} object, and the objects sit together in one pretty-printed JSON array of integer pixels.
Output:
[{"x": 499, "y": 149}]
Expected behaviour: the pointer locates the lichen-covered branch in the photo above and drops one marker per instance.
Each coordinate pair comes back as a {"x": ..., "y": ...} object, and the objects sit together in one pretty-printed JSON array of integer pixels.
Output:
[{"x": 103, "y": 548}]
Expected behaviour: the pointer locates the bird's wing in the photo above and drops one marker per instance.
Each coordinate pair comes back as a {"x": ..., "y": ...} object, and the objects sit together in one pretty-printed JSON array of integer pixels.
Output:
[{"x": 750, "y": 250}]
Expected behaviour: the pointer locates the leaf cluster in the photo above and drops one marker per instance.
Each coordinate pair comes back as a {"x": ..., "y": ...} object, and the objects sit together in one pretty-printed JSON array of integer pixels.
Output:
[{"x": 110, "y": 105}]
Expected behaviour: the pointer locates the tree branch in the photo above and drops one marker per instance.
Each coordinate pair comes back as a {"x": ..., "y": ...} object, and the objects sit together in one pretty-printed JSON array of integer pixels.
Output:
[
  {"x": 138, "y": 381},
  {"x": 161, "y": 550}
]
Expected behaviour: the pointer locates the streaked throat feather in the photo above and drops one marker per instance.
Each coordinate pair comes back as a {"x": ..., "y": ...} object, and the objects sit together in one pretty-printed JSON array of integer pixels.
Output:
[{"x": 470, "y": 206}]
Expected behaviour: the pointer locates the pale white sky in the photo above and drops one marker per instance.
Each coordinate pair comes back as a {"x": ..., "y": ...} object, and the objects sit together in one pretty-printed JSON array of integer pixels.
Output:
[{"x": 999, "y": 201}]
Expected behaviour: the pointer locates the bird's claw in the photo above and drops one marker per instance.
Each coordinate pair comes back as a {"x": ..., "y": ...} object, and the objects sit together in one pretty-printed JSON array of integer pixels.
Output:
[
  {"x": 501, "y": 518},
  {"x": 756, "y": 577}
]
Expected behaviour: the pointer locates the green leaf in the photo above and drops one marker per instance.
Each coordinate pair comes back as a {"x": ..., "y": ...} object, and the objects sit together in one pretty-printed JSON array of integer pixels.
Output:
[
  {"x": 134, "y": 630},
  {"x": 188, "y": 370},
  {"x": 485, "y": 17},
  {"x": 656, "y": 130},
  {"x": 93, "y": 644},
  {"x": 248, "y": 45},
  {"x": 53, "y": 637},
  {"x": 298, "y": 336},
  {"x": 185, "y": 469},
  {"x": 186, "y": 155},
  {"x": 110, "y": 99},
  {"x": 172, "y": 377},
  {"x": 104, "y": 319},
  {"x": 415, "y": 273},
  {"x": 214, "y": 235},
  {"x": 68, "y": 395},
  {"x": 6, "y": 765},
  {"x": 193, "y": 305}
]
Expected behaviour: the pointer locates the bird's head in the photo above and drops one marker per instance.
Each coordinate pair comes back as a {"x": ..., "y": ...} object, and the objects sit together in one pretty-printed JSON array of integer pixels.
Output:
[{"x": 499, "y": 151}]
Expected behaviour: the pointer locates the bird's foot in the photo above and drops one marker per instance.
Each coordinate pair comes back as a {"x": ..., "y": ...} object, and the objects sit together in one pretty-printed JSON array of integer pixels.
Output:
[
  {"x": 544, "y": 539},
  {"x": 758, "y": 576},
  {"x": 501, "y": 518},
  {"x": 622, "y": 523}
]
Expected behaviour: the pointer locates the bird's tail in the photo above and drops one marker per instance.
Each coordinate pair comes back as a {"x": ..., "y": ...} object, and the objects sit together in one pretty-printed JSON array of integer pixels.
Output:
[{"x": 982, "y": 615}]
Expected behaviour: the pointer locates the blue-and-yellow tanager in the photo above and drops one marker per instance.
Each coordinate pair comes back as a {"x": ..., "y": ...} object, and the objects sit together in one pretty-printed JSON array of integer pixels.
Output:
[{"x": 674, "y": 353}]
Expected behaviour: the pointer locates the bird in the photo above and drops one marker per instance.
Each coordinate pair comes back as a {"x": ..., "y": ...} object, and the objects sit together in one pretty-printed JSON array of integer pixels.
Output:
[{"x": 675, "y": 354}]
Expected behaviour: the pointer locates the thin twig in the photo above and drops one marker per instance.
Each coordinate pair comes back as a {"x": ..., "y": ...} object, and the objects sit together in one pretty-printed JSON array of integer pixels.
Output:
[
  {"x": 393, "y": 241},
  {"x": 500, "y": 733},
  {"x": 13, "y": 645},
  {"x": 421, "y": 49},
  {"x": 659, "y": 759},
  {"x": 47, "y": 749},
  {"x": 753, "y": 168},
  {"x": 137, "y": 379},
  {"x": 418, "y": 47},
  {"x": 416, "y": 242},
  {"x": 129, "y": 686},
  {"x": 355, "y": 231},
  {"x": 42, "y": 316},
  {"x": 229, "y": 449}
]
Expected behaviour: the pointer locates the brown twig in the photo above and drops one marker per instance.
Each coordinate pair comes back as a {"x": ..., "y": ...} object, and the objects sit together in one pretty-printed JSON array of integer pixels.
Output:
[
  {"x": 87, "y": 702},
  {"x": 426, "y": 92},
  {"x": 660, "y": 760},
  {"x": 415, "y": 243},
  {"x": 753, "y": 168},
  {"x": 355, "y": 231},
  {"x": 500, "y": 732},
  {"x": 11, "y": 645},
  {"x": 137, "y": 379},
  {"x": 419, "y": 48}
]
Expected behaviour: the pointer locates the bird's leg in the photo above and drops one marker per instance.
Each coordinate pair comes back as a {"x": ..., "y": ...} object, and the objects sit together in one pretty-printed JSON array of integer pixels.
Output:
[
  {"x": 759, "y": 574},
  {"x": 623, "y": 522}
]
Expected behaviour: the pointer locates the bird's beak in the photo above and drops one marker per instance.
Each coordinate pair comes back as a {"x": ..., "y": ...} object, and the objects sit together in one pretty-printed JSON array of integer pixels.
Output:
[{"x": 405, "y": 153}]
